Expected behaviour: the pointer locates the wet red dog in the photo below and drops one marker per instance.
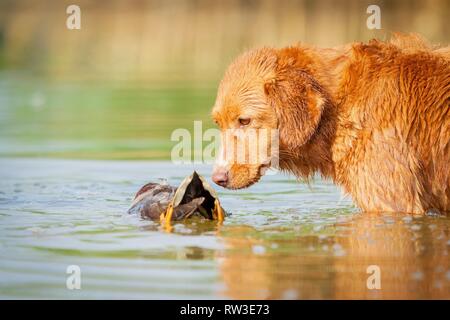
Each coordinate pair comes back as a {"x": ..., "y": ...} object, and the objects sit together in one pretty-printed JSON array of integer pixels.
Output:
[{"x": 375, "y": 118}]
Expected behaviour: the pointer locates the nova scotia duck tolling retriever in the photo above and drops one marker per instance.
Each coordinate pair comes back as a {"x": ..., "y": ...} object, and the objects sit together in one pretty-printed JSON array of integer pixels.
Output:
[{"x": 372, "y": 117}]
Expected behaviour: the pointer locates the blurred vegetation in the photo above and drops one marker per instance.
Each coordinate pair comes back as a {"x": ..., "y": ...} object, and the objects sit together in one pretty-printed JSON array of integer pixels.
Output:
[{"x": 139, "y": 69}]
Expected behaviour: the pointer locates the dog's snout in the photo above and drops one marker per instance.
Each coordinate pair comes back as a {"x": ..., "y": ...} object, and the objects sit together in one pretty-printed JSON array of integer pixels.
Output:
[{"x": 220, "y": 177}]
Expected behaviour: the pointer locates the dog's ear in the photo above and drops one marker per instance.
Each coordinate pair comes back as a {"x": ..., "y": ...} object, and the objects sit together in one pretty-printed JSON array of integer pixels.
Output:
[{"x": 298, "y": 101}]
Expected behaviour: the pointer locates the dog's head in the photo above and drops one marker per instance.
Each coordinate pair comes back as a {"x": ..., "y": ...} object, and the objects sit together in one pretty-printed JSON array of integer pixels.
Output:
[{"x": 265, "y": 94}]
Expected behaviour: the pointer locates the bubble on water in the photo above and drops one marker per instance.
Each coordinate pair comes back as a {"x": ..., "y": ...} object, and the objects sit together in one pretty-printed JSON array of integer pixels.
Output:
[
  {"x": 432, "y": 226},
  {"x": 290, "y": 294},
  {"x": 432, "y": 212},
  {"x": 274, "y": 245},
  {"x": 338, "y": 250},
  {"x": 418, "y": 275},
  {"x": 337, "y": 247},
  {"x": 341, "y": 253},
  {"x": 416, "y": 227},
  {"x": 36, "y": 230},
  {"x": 325, "y": 247},
  {"x": 322, "y": 237},
  {"x": 317, "y": 228},
  {"x": 163, "y": 181},
  {"x": 258, "y": 249},
  {"x": 263, "y": 293},
  {"x": 37, "y": 100},
  {"x": 179, "y": 228},
  {"x": 407, "y": 219}
]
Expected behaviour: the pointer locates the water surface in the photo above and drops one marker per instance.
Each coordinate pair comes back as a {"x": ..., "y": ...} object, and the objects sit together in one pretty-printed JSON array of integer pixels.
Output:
[{"x": 284, "y": 239}]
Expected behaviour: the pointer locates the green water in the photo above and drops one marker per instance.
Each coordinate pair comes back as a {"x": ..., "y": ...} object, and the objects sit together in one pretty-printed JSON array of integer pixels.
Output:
[
  {"x": 109, "y": 120},
  {"x": 284, "y": 239}
]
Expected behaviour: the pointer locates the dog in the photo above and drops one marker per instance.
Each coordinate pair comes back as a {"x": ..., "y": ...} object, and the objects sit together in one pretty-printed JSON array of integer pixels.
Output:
[{"x": 373, "y": 117}]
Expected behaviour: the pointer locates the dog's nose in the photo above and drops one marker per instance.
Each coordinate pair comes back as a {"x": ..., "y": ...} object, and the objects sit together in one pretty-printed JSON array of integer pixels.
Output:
[{"x": 220, "y": 176}]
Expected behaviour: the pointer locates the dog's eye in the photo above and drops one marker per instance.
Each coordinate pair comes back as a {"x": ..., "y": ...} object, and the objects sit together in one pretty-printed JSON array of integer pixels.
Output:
[{"x": 244, "y": 121}]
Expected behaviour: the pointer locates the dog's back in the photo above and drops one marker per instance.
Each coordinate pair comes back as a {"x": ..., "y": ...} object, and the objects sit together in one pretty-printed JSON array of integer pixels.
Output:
[{"x": 395, "y": 99}]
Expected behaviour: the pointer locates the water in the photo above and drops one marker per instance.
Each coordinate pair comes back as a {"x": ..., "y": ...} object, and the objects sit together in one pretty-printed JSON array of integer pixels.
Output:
[
  {"x": 96, "y": 120},
  {"x": 283, "y": 240}
]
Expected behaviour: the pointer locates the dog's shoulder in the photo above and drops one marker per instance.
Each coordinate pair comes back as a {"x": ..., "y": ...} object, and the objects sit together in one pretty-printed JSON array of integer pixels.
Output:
[{"x": 401, "y": 48}]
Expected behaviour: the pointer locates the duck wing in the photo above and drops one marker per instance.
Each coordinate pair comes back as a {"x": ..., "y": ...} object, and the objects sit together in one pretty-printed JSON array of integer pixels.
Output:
[{"x": 151, "y": 200}]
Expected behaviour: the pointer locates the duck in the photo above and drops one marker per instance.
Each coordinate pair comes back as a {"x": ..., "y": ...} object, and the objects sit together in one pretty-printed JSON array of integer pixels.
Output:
[{"x": 193, "y": 197}]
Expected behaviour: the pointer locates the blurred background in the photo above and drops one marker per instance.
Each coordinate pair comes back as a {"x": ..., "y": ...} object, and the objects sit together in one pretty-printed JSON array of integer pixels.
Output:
[{"x": 137, "y": 70}]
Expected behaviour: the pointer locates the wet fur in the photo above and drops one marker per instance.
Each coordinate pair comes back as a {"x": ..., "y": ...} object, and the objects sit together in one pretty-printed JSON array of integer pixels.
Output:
[{"x": 374, "y": 118}]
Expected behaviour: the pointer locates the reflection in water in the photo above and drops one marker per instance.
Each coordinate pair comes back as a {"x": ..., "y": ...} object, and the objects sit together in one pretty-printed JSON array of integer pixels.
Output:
[
  {"x": 283, "y": 240},
  {"x": 411, "y": 252}
]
